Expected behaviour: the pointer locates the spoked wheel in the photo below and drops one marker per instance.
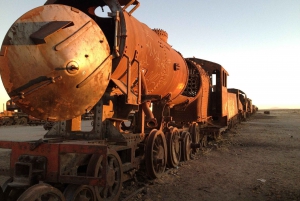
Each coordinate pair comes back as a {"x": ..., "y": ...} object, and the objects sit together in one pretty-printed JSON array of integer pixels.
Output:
[
  {"x": 156, "y": 154},
  {"x": 186, "y": 146},
  {"x": 195, "y": 134},
  {"x": 79, "y": 193},
  {"x": 42, "y": 192},
  {"x": 113, "y": 174},
  {"x": 174, "y": 147}
]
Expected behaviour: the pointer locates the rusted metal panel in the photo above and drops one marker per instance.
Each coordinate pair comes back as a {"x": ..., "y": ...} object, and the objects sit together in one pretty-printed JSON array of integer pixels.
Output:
[
  {"x": 224, "y": 102},
  {"x": 5, "y": 144},
  {"x": 203, "y": 99},
  {"x": 54, "y": 154},
  {"x": 240, "y": 105},
  {"x": 83, "y": 147},
  {"x": 50, "y": 151},
  {"x": 232, "y": 105}
]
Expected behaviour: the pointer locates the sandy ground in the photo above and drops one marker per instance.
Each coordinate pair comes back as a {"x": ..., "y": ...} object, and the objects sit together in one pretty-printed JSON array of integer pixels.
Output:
[{"x": 257, "y": 160}]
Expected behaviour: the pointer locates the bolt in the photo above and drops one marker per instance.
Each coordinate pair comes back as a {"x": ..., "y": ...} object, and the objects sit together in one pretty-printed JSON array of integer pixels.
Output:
[{"x": 72, "y": 67}]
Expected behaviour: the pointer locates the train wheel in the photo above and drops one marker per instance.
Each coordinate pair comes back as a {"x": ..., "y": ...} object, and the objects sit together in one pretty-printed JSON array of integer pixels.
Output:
[
  {"x": 17, "y": 122},
  {"x": 23, "y": 121},
  {"x": 79, "y": 193},
  {"x": 195, "y": 134},
  {"x": 43, "y": 192},
  {"x": 174, "y": 147},
  {"x": 113, "y": 174},
  {"x": 186, "y": 146},
  {"x": 9, "y": 122},
  {"x": 156, "y": 154}
]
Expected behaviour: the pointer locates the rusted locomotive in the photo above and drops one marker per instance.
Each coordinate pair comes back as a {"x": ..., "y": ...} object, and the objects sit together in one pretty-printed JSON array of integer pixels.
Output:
[{"x": 152, "y": 107}]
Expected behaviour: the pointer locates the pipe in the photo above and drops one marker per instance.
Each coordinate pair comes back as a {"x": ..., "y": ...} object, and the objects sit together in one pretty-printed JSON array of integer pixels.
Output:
[{"x": 150, "y": 119}]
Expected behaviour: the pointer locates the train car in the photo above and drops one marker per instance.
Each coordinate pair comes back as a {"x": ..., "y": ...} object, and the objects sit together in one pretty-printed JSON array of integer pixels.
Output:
[
  {"x": 254, "y": 109},
  {"x": 242, "y": 102},
  {"x": 152, "y": 107},
  {"x": 249, "y": 107},
  {"x": 14, "y": 116}
]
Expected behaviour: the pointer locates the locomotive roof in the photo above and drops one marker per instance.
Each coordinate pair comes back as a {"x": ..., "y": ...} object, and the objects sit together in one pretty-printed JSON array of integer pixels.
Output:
[
  {"x": 209, "y": 66},
  {"x": 234, "y": 90}
]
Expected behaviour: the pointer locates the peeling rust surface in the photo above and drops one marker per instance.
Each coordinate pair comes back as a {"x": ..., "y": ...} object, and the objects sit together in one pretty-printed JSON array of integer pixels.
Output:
[{"x": 33, "y": 84}]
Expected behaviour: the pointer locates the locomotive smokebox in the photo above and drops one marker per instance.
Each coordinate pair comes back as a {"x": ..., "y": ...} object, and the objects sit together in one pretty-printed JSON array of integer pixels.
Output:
[{"x": 55, "y": 62}]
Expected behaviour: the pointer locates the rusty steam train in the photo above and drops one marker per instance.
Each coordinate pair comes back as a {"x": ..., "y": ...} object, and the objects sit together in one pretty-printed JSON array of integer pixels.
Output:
[{"x": 152, "y": 107}]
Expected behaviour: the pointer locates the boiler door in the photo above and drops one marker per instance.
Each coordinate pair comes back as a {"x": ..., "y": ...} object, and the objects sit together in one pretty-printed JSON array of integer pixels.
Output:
[{"x": 55, "y": 62}]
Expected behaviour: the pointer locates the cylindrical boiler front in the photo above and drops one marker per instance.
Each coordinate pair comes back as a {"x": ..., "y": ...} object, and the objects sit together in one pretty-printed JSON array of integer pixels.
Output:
[{"x": 55, "y": 62}]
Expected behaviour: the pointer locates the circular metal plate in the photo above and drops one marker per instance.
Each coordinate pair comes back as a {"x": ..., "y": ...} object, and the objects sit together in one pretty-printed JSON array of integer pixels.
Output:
[{"x": 55, "y": 62}]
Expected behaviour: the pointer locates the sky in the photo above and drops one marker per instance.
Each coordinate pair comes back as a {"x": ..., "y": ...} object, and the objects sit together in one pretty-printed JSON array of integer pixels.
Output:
[{"x": 257, "y": 41}]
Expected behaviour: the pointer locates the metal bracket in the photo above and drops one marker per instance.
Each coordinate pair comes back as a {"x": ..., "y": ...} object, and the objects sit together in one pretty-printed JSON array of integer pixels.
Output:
[
  {"x": 132, "y": 98},
  {"x": 132, "y": 2}
]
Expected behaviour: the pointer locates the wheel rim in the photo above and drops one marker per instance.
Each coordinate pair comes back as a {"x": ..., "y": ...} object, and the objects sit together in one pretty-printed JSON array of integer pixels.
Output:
[
  {"x": 186, "y": 148},
  {"x": 174, "y": 147},
  {"x": 113, "y": 174},
  {"x": 195, "y": 134},
  {"x": 42, "y": 192},
  {"x": 194, "y": 131},
  {"x": 156, "y": 154},
  {"x": 79, "y": 193}
]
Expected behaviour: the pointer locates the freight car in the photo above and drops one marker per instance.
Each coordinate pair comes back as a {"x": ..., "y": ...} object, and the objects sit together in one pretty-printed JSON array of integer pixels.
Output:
[
  {"x": 242, "y": 102},
  {"x": 14, "y": 116},
  {"x": 152, "y": 107}
]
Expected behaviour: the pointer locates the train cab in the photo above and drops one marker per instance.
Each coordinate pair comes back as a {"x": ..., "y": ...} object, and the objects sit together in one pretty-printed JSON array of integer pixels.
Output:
[{"x": 218, "y": 98}]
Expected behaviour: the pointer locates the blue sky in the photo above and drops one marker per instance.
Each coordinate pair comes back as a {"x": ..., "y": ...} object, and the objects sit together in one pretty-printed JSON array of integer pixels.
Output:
[{"x": 257, "y": 41}]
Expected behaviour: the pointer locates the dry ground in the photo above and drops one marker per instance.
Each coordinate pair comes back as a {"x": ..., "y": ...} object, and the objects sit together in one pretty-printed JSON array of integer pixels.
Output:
[{"x": 257, "y": 160}]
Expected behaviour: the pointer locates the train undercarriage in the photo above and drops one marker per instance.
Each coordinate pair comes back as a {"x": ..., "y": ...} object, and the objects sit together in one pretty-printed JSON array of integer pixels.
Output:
[{"x": 69, "y": 163}]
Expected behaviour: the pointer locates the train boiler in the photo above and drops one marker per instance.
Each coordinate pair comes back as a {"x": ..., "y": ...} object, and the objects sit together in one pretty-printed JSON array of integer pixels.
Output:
[{"x": 152, "y": 107}]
